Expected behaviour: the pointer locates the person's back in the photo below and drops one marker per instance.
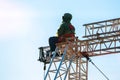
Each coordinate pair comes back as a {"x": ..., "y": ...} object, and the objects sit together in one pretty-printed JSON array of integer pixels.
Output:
[{"x": 66, "y": 30}]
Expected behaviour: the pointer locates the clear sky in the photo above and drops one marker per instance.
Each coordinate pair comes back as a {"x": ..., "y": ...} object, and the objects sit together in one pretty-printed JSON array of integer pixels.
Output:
[{"x": 26, "y": 25}]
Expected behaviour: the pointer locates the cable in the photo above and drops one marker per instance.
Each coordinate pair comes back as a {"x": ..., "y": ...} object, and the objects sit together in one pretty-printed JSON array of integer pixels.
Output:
[
  {"x": 88, "y": 58},
  {"x": 98, "y": 69}
]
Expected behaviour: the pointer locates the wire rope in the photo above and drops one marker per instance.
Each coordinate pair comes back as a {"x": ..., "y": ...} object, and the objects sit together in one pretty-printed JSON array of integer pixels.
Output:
[{"x": 98, "y": 69}]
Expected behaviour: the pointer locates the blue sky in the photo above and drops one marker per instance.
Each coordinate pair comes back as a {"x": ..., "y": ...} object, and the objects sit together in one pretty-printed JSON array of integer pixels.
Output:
[{"x": 26, "y": 25}]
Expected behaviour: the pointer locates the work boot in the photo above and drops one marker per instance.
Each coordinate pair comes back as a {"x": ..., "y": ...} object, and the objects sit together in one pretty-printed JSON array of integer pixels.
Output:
[{"x": 48, "y": 53}]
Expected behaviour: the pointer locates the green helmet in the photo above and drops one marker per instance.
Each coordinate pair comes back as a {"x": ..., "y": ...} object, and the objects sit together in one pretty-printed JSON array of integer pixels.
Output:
[{"x": 67, "y": 17}]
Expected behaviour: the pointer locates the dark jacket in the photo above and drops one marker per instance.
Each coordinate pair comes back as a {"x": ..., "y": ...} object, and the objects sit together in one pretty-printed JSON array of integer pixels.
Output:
[{"x": 66, "y": 28}]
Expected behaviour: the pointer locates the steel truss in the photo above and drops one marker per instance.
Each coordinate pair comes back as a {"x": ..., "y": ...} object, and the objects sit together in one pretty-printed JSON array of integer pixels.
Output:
[
  {"x": 70, "y": 66},
  {"x": 101, "y": 38}
]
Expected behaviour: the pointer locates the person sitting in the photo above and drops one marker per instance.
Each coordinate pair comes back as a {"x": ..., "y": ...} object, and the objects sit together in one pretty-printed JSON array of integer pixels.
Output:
[{"x": 66, "y": 30}]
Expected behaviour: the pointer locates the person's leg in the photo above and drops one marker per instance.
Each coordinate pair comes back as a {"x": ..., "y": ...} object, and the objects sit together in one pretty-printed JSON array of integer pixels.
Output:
[{"x": 52, "y": 42}]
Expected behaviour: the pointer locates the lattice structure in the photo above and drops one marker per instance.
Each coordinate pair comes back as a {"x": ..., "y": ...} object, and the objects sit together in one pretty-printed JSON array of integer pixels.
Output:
[
  {"x": 102, "y": 38},
  {"x": 70, "y": 66}
]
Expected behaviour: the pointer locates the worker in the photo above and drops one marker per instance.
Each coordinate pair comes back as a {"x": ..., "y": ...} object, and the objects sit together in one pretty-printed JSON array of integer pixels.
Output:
[{"x": 66, "y": 30}]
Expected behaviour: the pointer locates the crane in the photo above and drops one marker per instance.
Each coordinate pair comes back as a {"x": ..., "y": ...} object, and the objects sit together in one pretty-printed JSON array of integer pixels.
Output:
[{"x": 101, "y": 38}]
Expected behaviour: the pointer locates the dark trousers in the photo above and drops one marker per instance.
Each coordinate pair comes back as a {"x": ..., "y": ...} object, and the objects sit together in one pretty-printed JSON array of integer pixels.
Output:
[{"x": 52, "y": 42}]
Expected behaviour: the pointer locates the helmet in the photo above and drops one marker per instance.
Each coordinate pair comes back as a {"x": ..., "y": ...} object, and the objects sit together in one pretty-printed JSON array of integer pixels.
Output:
[{"x": 67, "y": 17}]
